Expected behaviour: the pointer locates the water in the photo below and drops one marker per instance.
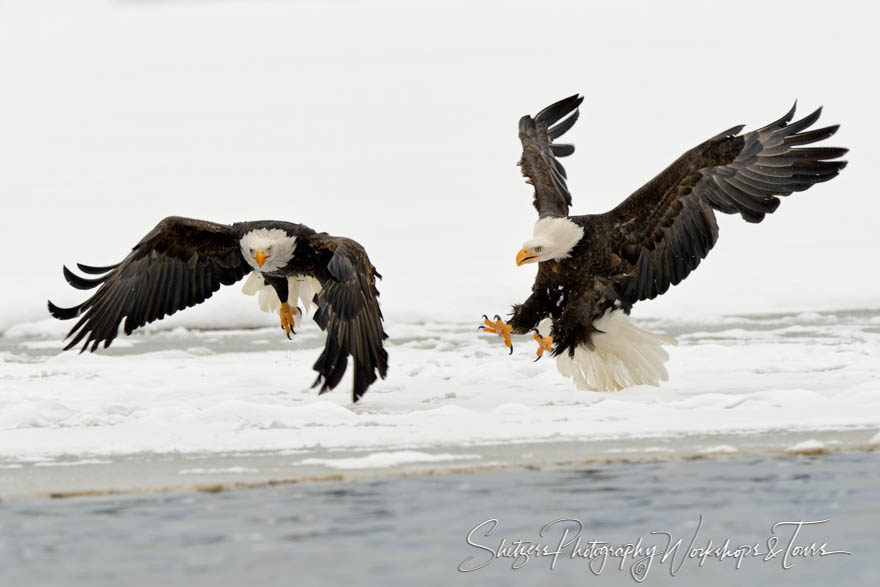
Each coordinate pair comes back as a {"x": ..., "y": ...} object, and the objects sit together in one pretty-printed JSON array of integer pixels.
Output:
[{"x": 412, "y": 530}]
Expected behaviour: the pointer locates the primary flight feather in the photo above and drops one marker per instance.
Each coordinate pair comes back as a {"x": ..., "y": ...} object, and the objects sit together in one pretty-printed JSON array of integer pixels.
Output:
[
  {"x": 183, "y": 261},
  {"x": 593, "y": 268}
]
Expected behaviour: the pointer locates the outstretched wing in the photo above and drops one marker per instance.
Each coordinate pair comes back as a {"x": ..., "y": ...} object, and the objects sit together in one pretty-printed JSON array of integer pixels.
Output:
[
  {"x": 539, "y": 161},
  {"x": 348, "y": 309},
  {"x": 179, "y": 264},
  {"x": 667, "y": 226}
]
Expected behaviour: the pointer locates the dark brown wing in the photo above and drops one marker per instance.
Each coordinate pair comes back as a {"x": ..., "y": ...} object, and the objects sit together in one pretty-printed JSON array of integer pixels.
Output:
[
  {"x": 539, "y": 161},
  {"x": 348, "y": 309},
  {"x": 667, "y": 226},
  {"x": 179, "y": 264}
]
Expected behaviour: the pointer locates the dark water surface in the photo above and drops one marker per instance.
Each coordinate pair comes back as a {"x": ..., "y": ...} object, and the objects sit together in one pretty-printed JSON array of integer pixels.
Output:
[{"x": 406, "y": 531}]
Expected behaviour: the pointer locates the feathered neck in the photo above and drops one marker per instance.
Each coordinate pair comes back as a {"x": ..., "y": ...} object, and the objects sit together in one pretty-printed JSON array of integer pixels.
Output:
[
  {"x": 562, "y": 233},
  {"x": 272, "y": 240}
]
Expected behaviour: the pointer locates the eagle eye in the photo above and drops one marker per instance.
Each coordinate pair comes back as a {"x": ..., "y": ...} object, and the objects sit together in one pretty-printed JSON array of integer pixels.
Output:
[{"x": 539, "y": 249}]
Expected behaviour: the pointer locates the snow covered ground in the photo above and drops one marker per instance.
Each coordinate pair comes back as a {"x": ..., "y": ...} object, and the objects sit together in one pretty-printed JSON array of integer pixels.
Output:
[
  {"x": 449, "y": 388},
  {"x": 394, "y": 123}
]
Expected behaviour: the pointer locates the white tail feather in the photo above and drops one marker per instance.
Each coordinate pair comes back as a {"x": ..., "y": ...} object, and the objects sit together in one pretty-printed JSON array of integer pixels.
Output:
[
  {"x": 301, "y": 288},
  {"x": 623, "y": 355},
  {"x": 253, "y": 284}
]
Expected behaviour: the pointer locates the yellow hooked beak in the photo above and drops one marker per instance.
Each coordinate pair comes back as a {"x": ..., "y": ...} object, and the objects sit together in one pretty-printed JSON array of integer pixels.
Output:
[
  {"x": 261, "y": 257},
  {"x": 524, "y": 256}
]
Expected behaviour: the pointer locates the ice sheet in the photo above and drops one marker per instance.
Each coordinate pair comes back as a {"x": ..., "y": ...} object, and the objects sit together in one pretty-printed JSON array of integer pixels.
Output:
[{"x": 448, "y": 386}]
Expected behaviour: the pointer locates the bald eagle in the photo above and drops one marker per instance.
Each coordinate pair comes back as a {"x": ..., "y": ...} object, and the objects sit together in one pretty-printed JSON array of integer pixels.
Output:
[
  {"x": 183, "y": 261},
  {"x": 593, "y": 268}
]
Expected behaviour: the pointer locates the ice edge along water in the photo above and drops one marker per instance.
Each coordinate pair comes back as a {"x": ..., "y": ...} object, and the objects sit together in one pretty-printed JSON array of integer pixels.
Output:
[{"x": 179, "y": 391}]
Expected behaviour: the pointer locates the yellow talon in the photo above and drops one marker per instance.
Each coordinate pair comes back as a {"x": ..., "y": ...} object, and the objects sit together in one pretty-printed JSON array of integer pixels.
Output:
[
  {"x": 288, "y": 318},
  {"x": 498, "y": 327},
  {"x": 545, "y": 343}
]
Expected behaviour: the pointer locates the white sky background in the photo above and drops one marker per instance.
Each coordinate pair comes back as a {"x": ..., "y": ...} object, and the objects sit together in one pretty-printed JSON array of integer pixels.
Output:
[{"x": 394, "y": 123}]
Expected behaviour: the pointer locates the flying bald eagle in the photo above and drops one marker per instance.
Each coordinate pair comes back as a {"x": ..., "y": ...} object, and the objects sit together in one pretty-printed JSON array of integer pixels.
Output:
[
  {"x": 182, "y": 262},
  {"x": 593, "y": 268}
]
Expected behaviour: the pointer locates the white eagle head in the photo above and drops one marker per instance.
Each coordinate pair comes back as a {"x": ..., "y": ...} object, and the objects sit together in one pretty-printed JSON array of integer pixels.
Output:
[
  {"x": 267, "y": 249},
  {"x": 554, "y": 238}
]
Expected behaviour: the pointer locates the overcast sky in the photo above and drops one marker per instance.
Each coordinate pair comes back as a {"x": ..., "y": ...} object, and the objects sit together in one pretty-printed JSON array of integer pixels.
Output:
[{"x": 394, "y": 123}]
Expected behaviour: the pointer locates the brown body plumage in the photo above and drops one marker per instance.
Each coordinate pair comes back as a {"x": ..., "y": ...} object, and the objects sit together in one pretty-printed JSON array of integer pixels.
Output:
[
  {"x": 660, "y": 233},
  {"x": 183, "y": 261}
]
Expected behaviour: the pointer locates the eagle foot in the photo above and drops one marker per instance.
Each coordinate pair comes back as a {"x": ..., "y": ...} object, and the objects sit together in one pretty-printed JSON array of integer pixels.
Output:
[
  {"x": 288, "y": 318},
  {"x": 545, "y": 343},
  {"x": 498, "y": 327}
]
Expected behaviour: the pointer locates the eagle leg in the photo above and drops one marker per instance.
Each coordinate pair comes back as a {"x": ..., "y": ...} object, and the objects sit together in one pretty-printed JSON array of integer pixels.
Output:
[
  {"x": 288, "y": 318},
  {"x": 498, "y": 327},
  {"x": 545, "y": 343}
]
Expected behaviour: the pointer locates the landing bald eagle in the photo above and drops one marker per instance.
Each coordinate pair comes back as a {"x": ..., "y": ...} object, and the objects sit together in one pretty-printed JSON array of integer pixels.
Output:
[
  {"x": 593, "y": 268},
  {"x": 182, "y": 262}
]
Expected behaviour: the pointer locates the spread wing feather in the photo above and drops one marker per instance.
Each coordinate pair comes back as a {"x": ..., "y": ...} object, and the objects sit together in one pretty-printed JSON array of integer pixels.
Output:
[
  {"x": 539, "y": 163},
  {"x": 668, "y": 226},
  {"x": 348, "y": 309},
  {"x": 179, "y": 264}
]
